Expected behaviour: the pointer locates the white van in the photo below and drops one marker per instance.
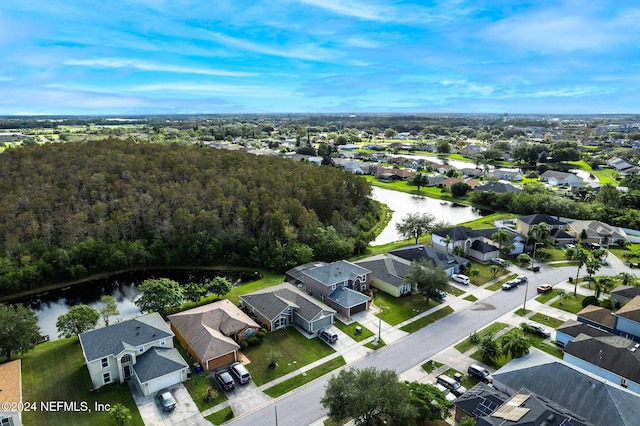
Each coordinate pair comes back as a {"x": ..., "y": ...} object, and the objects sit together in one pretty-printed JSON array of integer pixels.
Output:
[{"x": 240, "y": 372}]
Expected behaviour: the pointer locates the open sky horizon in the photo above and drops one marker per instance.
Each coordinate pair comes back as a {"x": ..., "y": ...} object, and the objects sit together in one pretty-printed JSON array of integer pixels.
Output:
[{"x": 88, "y": 57}]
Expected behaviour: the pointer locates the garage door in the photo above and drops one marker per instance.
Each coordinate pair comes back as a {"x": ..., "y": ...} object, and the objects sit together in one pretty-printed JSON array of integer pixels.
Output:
[
  {"x": 164, "y": 382},
  {"x": 359, "y": 308}
]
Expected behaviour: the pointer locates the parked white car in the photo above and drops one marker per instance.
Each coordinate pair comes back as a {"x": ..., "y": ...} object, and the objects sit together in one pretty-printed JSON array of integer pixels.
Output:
[{"x": 459, "y": 278}]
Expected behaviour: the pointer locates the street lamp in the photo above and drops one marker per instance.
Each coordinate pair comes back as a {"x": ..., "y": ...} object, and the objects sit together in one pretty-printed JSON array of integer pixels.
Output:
[
  {"x": 526, "y": 287},
  {"x": 380, "y": 320}
]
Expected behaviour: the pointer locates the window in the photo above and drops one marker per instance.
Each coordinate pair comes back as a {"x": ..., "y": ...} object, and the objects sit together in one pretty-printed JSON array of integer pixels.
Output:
[
  {"x": 363, "y": 287},
  {"x": 623, "y": 383},
  {"x": 125, "y": 358},
  {"x": 106, "y": 378},
  {"x": 163, "y": 342},
  {"x": 104, "y": 362},
  {"x": 333, "y": 286},
  {"x": 6, "y": 421},
  {"x": 141, "y": 349}
]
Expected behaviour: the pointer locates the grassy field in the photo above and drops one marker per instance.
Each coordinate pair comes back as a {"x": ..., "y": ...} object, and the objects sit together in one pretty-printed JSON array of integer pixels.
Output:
[
  {"x": 564, "y": 263},
  {"x": 293, "y": 349},
  {"x": 539, "y": 343},
  {"x": 426, "y": 320},
  {"x": 485, "y": 273},
  {"x": 220, "y": 416},
  {"x": 487, "y": 221},
  {"x": 455, "y": 291},
  {"x": 56, "y": 371},
  {"x": 301, "y": 379},
  {"x": 547, "y": 320},
  {"x": 545, "y": 297},
  {"x": 401, "y": 308},
  {"x": 604, "y": 176},
  {"x": 471, "y": 298}
]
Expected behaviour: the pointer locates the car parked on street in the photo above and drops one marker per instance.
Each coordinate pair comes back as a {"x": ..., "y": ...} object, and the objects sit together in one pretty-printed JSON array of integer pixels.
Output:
[
  {"x": 521, "y": 279},
  {"x": 167, "y": 400},
  {"x": 544, "y": 288},
  {"x": 240, "y": 372},
  {"x": 223, "y": 377},
  {"x": 510, "y": 284},
  {"x": 460, "y": 278}
]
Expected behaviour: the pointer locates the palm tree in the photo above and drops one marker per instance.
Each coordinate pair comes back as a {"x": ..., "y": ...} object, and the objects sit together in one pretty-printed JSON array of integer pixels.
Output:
[
  {"x": 581, "y": 256},
  {"x": 501, "y": 237},
  {"x": 539, "y": 231},
  {"x": 494, "y": 269},
  {"x": 489, "y": 348},
  {"x": 592, "y": 266},
  {"x": 604, "y": 283},
  {"x": 627, "y": 278},
  {"x": 515, "y": 343},
  {"x": 629, "y": 255},
  {"x": 448, "y": 241},
  {"x": 473, "y": 273}
]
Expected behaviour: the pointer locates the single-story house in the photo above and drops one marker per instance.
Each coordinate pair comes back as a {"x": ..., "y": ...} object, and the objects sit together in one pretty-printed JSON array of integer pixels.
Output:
[
  {"x": 451, "y": 263},
  {"x": 572, "y": 328},
  {"x": 340, "y": 284},
  {"x": 211, "y": 333},
  {"x": 559, "y": 237},
  {"x": 623, "y": 293},
  {"x": 597, "y": 316},
  {"x": 283, "y": 305},
  {"x": 476, "y": 243},
  {"x": 11, "y": 386},
  {"x": 498, "y": 188},
  {"x": 471, "y": 173},
  {"x": 555, "y": 178},
  {"x": 387, "y": 274},
  {"x": 140, "y": 348},
  {"x": 597, "y": 232},
  {"x": 510, "y": 175}
]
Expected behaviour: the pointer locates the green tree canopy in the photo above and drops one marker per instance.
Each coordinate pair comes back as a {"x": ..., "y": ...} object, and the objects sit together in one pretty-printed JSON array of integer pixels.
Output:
[
  {"x": 426, "y": 278},
  {"x": 108, "y": 308},
  {"x": 19, "y": 331},
  {"x": 416, "y": 224},
  {"x": 159, "y": 295},
  {"x": 219, "y": 286},
  {"x": 515, "y": 343},
  {"x": 79, "y": 319},
  {"x": 368, "y": 396},
  {"x": 430, "y": 402}
]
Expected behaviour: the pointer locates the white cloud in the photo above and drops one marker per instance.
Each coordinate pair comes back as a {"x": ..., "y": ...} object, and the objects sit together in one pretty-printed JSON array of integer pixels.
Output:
[
  {"x": 148, "y": 66},
  {"x": 209, "y": 89}
]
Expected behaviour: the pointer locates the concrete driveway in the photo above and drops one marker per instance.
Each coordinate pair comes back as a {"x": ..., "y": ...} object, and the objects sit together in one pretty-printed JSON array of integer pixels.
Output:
[{"x": 185, "y": 413}]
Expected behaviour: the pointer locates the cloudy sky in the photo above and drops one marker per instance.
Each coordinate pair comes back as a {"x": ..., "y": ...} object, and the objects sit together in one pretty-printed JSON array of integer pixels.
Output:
[{"x": 219, "y": 56}]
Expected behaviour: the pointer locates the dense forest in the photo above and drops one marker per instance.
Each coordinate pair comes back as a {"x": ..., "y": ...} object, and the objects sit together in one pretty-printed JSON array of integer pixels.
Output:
[{"x": 69, "y": 210}]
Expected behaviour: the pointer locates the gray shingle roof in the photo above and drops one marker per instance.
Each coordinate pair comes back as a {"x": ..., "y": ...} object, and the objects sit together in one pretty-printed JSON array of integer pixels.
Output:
[
  {"x": 498, "y": 187},
  {"x": 157, "y": 362},
  {"x": 626, "y": 291},
  {"x": 436, "y": 257},
  {"x": 347, "y": 298},
  {"x": 336, "y": 272},
  {"x": 483, "y": 247},
  {"x": 569, "y": 387},
  {"x": 534, "y": 219},
  {"x": 387, "y": 270},
  {"x": 574, "y": 328},
  {"x": 113, "y": 339},
  {"x": 272, "y": 301}
]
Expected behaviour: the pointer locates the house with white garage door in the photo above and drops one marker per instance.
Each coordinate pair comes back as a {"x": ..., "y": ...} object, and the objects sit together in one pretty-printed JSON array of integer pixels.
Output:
[{"x": 139, "y": 349}]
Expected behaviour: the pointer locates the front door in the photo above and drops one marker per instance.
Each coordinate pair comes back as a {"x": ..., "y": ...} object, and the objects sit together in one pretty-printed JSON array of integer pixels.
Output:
[{"x": 127, "y": 372}]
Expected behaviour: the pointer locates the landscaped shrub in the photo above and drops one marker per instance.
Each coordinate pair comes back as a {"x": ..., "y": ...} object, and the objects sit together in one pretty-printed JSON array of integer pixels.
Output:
[
  {"x": 474, "y": 338},
  {"x": 590, "y": 300}
]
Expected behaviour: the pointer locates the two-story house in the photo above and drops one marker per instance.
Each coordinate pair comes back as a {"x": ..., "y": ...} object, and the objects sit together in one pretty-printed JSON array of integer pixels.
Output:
[
  {"x": 140, "y": 349},
  {"x": 340, "y": 285}
]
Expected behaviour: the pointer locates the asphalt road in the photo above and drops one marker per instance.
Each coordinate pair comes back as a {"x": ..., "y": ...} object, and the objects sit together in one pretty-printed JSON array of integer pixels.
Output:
[{"x": 303, "y": 407}]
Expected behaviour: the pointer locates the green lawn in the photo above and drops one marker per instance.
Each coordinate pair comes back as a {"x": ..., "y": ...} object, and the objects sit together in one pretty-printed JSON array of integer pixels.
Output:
[
  {"x": 401, "y": 308},
  {"x": 370, "y": 345},
  {"x": 268, "y": 279},
  {"x": 571, "y": 304},
  {"x": 618, "y": 251},
  {"x": 547, "y": 320},
  {"x": 466, "y": 380},
  {"x": 306, "y": 377},
  {"x": 466, "y": 344},
  {"x": 350, "y": 330},
  {"x": 471, "y": 298},
  {"x": 430, "y": 365},
  {"x": 556, "y": 254},
  {"x": 56, "y": 371},
  {"x": 564, "y": 263},
  {"x": 487, "y": 221},
  {"x": 220, "y": 416},
  {"x": 498, "y": 285},
  {"x": 294, "y": 351},
  {"x": 454, "y": 291},
  {"x": 545, "y": 297},
  {"x": 404, "y": 186},
  {"x": 426, "y": 320},
  {"x": 539, "y": 343},
  {"x": 603, "y": 175},
  {"x": 522, "y": 312},
  {"x": 485, "y": 273}
]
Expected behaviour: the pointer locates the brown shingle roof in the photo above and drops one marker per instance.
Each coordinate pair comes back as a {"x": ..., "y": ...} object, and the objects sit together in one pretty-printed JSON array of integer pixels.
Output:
[
  {"x": 598, "y": 315},
  {"x": 631, "y": 310}
]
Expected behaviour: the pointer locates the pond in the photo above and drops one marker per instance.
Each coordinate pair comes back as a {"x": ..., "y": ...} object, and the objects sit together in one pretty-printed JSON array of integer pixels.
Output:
[
  {"x": 402, "y": 204},
  {"x": 123, "y": 287}
]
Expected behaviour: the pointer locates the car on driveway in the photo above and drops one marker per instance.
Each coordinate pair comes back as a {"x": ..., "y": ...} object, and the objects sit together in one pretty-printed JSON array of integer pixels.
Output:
[
  {"x": 498, "y": 261},
  {"x": 540, "y": 330},
  {"x": 240, "y": 372},
  {"x": 544, "y": 288},
  {"x": 223, "y": 377},
  {"x": 459, "y": 278},
  {"x": 167, "y": 400},
  {"x": 510, "y": 284},
  {"x": 452, "y": 384},
  {"x": 328, "y": 335},
  {"x": 446, "y": 392},
  {"x": 438, "y": 295}
]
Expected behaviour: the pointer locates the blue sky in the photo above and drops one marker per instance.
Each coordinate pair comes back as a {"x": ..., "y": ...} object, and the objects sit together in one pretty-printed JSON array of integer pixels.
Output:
[{"x": 219, "y": 56}]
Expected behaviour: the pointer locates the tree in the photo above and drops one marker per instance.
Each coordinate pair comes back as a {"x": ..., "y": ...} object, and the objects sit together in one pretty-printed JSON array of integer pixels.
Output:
[
  {"x": 220, "y": 286},
  {"x": 448, "y": 242},
  {"x": 426, "y": 278},
  {"x": 120, "y": 414},
  {"x": 604, "y": 283},
  {"x": 581, "y": 256},
  {"x": 460, "y": 189},
  {"x": 468, "y": 421},
  {"x": 523, "y": 260},
  {"x": 193, "y": 292},
  {"x": 443, "y": 147},
  {"x": 501, "y": 237},
  {"x": 543, "y": 254},
  {"x": 109, "y": 307},
  {"x": 390, "y": 133},
  {"x": 416, "y": 224},
  {"x": 79, "y": 319},
  {"x": 159, "y": 295},
  {"x": 539, "y": 232},
  {"x": 626, "y": 278},
  {"x": 429, "y": 401},
  {"x": 629, "y": 255},
  {"x": 473, "y": 273},
  {"x": 19, "y": 331},
  {"x": 494, "y": 269},
  {"x": 419, "y": 180},
  {"x": 489, "y": 348},
  {"x": 350, "y": 394},
  {"x": 592, "y": 265},
  {"x": 515, "y": 343}
]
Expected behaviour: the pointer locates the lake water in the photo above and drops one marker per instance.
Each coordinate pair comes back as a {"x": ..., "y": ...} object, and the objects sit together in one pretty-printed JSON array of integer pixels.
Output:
[{"x": 402, "y": 204}]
